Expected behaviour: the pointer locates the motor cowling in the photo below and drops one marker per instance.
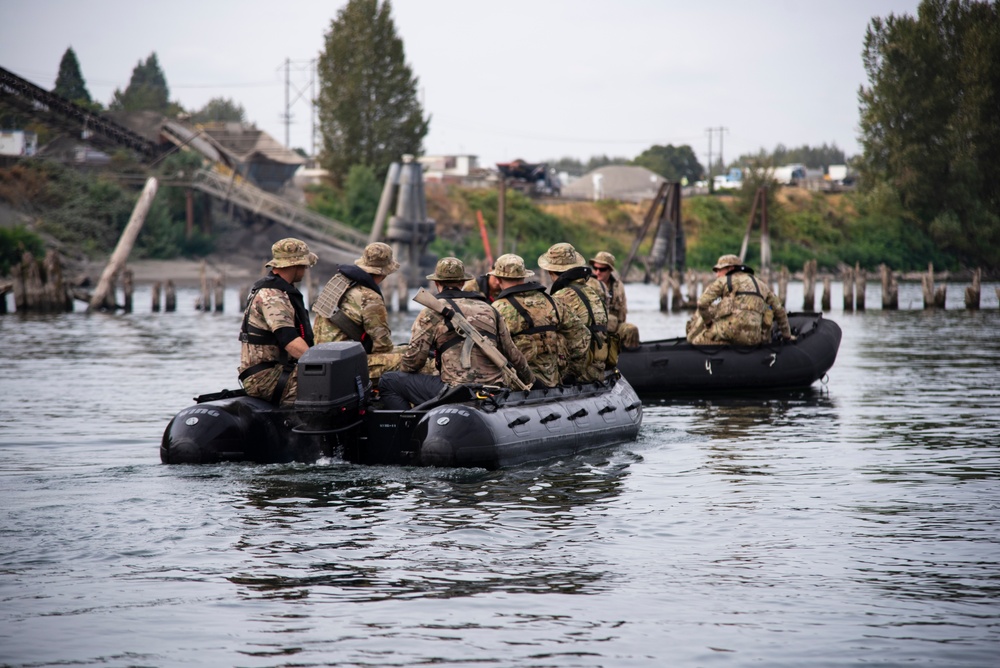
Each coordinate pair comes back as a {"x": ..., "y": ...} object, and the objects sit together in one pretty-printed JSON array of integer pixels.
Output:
[{"x": 334, "y": 387}]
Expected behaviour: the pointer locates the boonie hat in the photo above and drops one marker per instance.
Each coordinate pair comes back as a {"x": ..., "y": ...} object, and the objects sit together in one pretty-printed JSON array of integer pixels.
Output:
[
  {"x": 604, "y": 257},
  {"x": 449, "y": 269},
  {"x": 727, "y": 261},
  {"x": 560, "y": 257},
  {"x": 377, "y": 259},
  {"x": 291, "y": 252},
  {"x": 510, "y": 266}
]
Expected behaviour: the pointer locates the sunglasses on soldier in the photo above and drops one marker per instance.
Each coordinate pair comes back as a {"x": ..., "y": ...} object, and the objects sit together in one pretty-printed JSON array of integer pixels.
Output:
[{"x": 601, "y": 269}]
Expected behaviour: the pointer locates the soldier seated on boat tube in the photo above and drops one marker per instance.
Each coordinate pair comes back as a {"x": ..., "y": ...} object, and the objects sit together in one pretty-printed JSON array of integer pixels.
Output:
[
  {"x": 737, "y": 309},
  {"x": 275, "y": 330},
  {"x": 583, "y": 314},
  {"x": 531, "y": 316},
  {"x": 458, "y": 363},
  {"x": 351, "y": 308},
  {"x": 486, "y": 285},
  {"x": 603, "y": 264}
]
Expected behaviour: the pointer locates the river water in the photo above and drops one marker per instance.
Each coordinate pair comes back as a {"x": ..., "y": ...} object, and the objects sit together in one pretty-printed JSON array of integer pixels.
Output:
[{"x": 856, "y": 523}]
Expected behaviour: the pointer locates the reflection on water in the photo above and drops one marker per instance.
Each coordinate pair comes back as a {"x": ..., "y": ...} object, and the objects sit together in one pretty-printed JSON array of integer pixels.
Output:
[
  {"x": 854, "y": 522},
  {"x": 461, "y": 527}
]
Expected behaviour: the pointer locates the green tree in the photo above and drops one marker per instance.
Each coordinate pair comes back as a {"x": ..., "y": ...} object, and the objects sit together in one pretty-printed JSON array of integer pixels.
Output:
[
  {"x": 355, "y": 203},
  {"x": 368, "y": 108},
  {"x": 147, "y": 89},
  {"x": 69, "y": 82},
  {"x": 673, "y": 163},
  {"x": 928, "y": 121},
  {"x": 220, "y": 109}
]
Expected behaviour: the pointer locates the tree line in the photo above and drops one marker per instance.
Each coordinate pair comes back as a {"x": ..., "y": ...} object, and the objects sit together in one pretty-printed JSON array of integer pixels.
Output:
[{"x": 929, "y": 169}]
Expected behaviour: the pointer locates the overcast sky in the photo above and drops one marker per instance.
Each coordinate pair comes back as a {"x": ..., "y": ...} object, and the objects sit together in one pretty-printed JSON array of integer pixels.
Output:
[{"x": 533, "y": 79}]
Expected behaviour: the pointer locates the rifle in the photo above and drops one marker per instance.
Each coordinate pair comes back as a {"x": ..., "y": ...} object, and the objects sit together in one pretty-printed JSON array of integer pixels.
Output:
[{"x": 471, "y": 335}]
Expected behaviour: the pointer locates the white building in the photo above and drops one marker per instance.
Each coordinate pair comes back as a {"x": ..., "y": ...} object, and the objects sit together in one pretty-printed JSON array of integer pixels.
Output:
[{"x": 448, "y": 168}]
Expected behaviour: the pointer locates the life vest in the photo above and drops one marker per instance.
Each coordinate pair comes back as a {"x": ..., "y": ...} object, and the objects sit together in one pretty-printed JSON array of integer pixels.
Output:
[
  {"x": 257, "y": 336},
  {"x": 450, "y": 296},
  {"x": 530, "y": 328},
  {"x": 328, "y": 303}
]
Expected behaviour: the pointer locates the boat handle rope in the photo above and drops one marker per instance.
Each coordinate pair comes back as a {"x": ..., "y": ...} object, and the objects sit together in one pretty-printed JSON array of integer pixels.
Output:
[
  {"x": 607, "y": 409},
  {"x": 633, "y": 406},
  {"x": 579, "y": 414},
  {"x": 519, "y": 421},
  {"x": 550, "y": 417}
]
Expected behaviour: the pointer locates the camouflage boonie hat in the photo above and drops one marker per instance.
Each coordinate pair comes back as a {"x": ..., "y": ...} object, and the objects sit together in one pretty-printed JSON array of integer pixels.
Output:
[
  {"x": 377, "y": 259},
  {"x": 560, "y": 257},
  {"x": 510, "y": 266},
  {"x": 291, "y": 253},
  {"x": 449, "y": 269},
  {"x": 604, "y": 257},
  {"x": 727, "y": 261}
]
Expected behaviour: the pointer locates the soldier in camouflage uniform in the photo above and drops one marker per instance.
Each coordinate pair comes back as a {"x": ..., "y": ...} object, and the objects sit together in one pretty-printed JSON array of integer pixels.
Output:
[
  {"x": 486, "y": 285},
  {"x": 583, "y": 315},
  {"x": 532, "y": 318},
  {"x": 737, "y": 309},
  {"x": 603, "y": 264},
  {"x": 351, "y": 308},
  {"x": 275, "y": 330},
  {"x": 457, "y": 364}
]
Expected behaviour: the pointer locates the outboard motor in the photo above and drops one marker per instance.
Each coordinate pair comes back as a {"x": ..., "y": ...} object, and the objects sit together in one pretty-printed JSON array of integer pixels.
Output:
[{"x": 334, "y": 388}]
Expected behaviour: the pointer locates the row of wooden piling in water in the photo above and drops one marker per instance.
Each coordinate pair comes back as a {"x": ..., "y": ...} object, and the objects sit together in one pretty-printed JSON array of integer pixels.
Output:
[
  {"x": 40, "y": 287},
  {"x": 674, "y": 287}
]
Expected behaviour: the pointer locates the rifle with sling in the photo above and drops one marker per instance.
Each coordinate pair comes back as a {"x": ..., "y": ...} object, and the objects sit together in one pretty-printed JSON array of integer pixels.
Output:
[{"x": 470, "y": 333}]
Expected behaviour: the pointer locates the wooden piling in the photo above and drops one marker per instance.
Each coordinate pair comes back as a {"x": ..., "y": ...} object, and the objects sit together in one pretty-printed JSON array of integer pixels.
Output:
[
  {"x": 157, "y": 288},
  {"x": 402, "y": 293},
  {"x": 124, "y": 247},
  {"x": 933, "y": 298},
  {"x": 666, "y": 284},
  {"x": 128, "y": 286},
  {"x": 809, "y": 285},
  {"x": 676, "y": 298},
  {"x": 890, "y": 289},
  {"x": 39, "y": 287},
  {"x": 848, "y": 290},
  {"x": 783, "y": 278},
  {"x": 220, "y": 294},
  {"x": 825, "y": 299},
  {"x": 4, "y": 289},
  {"x": 205, "y": 300},
  {"x": 860, "y": 287},
  {"x": 972, "y": 292},
  {"x": 170, "y": 298}
]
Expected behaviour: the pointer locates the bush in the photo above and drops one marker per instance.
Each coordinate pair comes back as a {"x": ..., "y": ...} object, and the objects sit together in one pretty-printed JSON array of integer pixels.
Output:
[{"x": 14, "y": 241}]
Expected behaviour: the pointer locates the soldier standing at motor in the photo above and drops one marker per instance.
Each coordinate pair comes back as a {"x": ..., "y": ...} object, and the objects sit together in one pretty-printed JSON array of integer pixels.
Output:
[
  {"x": 603, "y": 264},
  {"x": 532, "y": 318},
  {"x": 744, "y": 311},
  {"x": 275, "y": 330},
  {"x": 431, "y": 332},
  {"x": 351, "y": 308},
  {"x": 583, "y": 315}
]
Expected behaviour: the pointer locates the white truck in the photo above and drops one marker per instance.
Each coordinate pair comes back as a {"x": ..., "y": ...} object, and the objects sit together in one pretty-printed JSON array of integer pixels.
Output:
[{"x": 18, "y": 142}]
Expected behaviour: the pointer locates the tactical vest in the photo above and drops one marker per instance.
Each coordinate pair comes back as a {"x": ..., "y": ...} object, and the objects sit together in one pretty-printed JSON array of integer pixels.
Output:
[
  {"x": 330, "y": 298},
  {"x": 530, "y": 328},
  {"x": 257, "y": 336},
  {"x": 450, "y": 296}
]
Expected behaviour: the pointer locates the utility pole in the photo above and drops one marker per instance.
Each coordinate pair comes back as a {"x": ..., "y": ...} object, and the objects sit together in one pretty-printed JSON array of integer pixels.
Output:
[
  {"x": 288, "y": 111},
  {"x": 709, "y": 131},
  {"x": 301, "y": 88},
  {"x": 721, "y": 158}
]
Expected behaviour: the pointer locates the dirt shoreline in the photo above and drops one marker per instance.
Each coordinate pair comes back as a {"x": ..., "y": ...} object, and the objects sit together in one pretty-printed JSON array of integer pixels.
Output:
[{"x": 184, "y": 273}]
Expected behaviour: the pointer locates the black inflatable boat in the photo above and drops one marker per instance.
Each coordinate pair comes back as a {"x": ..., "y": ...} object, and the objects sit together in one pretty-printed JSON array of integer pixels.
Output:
[
  {"x": 335, "y": 416},
  {"x": 674, "y": 366}
]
